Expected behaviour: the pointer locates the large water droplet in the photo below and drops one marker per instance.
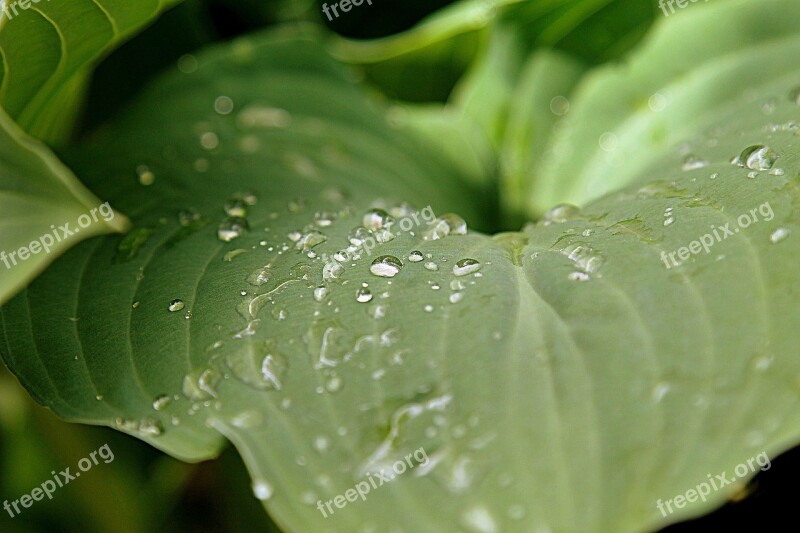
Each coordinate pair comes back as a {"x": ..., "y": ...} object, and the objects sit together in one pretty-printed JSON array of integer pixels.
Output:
[
  {"x": 386, "y": 266},
  {"x": 756, "y": 157},
  {"x": 466, "y": 266},
  {"x": 458, "y": 226}
]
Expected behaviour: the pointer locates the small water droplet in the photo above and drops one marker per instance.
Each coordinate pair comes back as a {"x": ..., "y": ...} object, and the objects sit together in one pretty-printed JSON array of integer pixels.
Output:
[
  {"x": 692, "y": 162},
  {"x": 386, "y": 266},
  {"x": 430, "y": 265},
  {"x": 320, "y": 293},
  {"x": 176, "y": 305},
  {"x": 235, "y": 207},
  {"x": 363, "y": 295},
  {"x": 778, "y": 235},
  {"x": 146, "y": 176},
  {"x": 479, "y": 520},
  {"x": 375, "y": 219},
  {"x": 332, "y": 270},
  {"x": 466, "y": 266},
  {"x": 231, "y": 228},
  {"x": 416, "y": 256},
  {"x": 262, "y": 489},
  {"x": 161, "y": 402},
  {"x": 559, "y": 214},
  {"x": 456, "y": 297},
  {"x": 223, "y": 105},
  {"x": 438, "y": 229}
]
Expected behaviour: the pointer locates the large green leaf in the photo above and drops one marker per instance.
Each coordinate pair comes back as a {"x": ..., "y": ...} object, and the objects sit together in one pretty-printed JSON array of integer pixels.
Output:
[
  {"x": 47, "y": 51},
  {"x": 38, "y": 196},
  {"x": 575, "y": 370}
]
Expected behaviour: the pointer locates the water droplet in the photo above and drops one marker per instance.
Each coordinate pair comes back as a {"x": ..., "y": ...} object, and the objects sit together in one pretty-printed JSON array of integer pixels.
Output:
[
  {"x": 756, "y": 157},
  {"x": 324, "y": 219},
  {"x": 332, "y": 270},
  {"x": 310, "y": 240},
  {"x": 375, "y": 219},
  {"x": 358, "y": 235},
  {"x": 456, "y": 297},
  {"x": 692, "y": 162},
  {"x": 223, "y": 105},
  {"x": 559, "y": 214},
  {"x": 262, "y": 489},
  {"x": 384, "y": 235},
  {"x": 438, "y": 229},
  {"x": 233, "y": 254},
  {"x": 578, "y": 276},
  {"x": 209, "y": 140},
  {"x": 778, "y": 235},
  {"x": 430, "y": 265},
  {"x": 386, "y": 266},
  {"x": 559, "y": 105},
  {"x": 260, "y": 276},
  {"x": 161, "y": 402},
  {"x": 458, "y": 226},
  {"x": 479, "y": 520},
  {"x": 466, "y": 266},
  {"x": 201, "y": 384},
  {"x": 235, "y": 207},
  {"x": 231, "y": 228},
  {"x": 363, "y": 295},
  {"x": 334, "y": 384},
  {"x": 146, "y": 176},
  {"x": 150, "y": 428},
  {"x": 320, "y": 293},
  {"x": 416, "y": 256},
  {"x": 176, "y": 305}
]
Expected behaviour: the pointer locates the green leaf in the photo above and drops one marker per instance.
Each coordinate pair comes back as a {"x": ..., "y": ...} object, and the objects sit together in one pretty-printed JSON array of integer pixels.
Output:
[
  {"x": 690, "y": 74},
  {"x": 38, "y": 195},
  {"x": 575, "y": 370},
  {"x": 47, "y": 52}
]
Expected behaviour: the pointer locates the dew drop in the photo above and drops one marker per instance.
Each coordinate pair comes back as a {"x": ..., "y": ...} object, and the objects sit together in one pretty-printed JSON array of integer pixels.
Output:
[
  {"x": 430, "y": 265},
  {"x": 756, "y": 157},
  {"x": 161, "y": 402},
  {"x": 176, "y": 305},
  {"x": 236, "y": 207},
  {"x": 457, "y": 225},
  {"x": 479, "y": 520},
  {"x": 363, "y": 296},
  {"x": 262, "y": 489},
  {"x": 332, "y": 270},
  {"x": 146, "y": 176},
  {"x": 375, "y": 219},
  {"x": 231, "y": 228},
  {"x": 358, "y": 235},
  {"x": 559, "y": 214},
  {"x": 466, "y": 266},
  {"x": 692, "y": 162},
  {"x": 778, "y": 235},
  {"x": 386, "y": 266},
  {"x": 320, "y": 293},
  {"x": 416, "y": 256}
]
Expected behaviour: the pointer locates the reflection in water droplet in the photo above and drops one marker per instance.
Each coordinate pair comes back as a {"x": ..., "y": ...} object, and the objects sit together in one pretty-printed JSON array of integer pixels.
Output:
[
  {"x": 415, "y": 256},
  {"x": 756, "y": 157},
  {"x": 363, "y": 295},
  {"x": 386, "y": 266},
  {"x": 466, "y": 266}
]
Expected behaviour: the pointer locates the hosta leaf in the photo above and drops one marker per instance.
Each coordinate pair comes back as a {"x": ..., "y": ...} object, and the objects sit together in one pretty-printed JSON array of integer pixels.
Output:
[
  {"x": 567, "y": 368},
  {"x": 38, "y": 195},
  {"x": 693, "y": 72},
  {"x": 46, "y": 52}
]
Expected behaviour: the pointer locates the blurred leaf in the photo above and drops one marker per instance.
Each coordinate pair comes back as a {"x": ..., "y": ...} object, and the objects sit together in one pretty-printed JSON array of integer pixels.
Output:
[
  {"x": 37, "y": 195},
  {"x": 49, "y": 49}
]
